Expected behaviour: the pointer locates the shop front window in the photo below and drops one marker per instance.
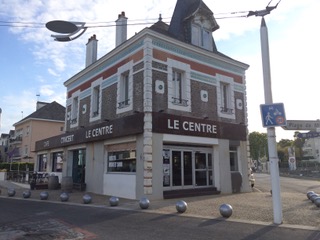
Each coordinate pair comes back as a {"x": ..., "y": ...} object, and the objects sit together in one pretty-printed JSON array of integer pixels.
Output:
[
  {"x": 57, "y": 162},
  {"x": 122, "y": 161},
  {"x": 233, "y": 159}
]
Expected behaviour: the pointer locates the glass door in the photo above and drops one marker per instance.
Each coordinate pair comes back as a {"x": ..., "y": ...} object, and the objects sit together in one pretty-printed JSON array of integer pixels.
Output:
[
  {"x": 182, "y": 168},
  {"x": 187, "y": 169},
  {"x": 203, "y": 169}
]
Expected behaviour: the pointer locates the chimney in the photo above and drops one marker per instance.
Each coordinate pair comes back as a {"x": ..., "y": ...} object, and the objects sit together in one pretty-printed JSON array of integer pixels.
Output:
[
  {"x": 92, "y": 49},
  {"x": 121, "y": 29},
  {"x": 41, "y": 104}
]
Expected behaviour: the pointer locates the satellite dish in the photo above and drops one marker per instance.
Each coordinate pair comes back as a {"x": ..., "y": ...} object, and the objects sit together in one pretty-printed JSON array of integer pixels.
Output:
[
  {"x": 60, "y": 26},
  {"x": 67, "y": 30}
]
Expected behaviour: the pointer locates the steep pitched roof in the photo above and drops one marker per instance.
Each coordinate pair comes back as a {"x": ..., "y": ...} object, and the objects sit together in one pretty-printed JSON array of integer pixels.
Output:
[
  {"x": 52, "y": 111},
  {"x": 184, "y": 9}
]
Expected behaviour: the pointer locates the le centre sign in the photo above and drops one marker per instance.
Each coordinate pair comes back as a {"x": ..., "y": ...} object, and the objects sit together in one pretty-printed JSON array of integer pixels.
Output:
[{"x": 191, "y": 126}]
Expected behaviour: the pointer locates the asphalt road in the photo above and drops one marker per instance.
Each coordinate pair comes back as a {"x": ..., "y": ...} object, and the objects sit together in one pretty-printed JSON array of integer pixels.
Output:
[
  {"x": 23, "y": 219},
  {"x": 287, "y": 184}
]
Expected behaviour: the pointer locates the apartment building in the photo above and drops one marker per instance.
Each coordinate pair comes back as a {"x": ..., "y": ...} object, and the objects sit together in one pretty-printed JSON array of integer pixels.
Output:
[{"x": 47, "y": 121}]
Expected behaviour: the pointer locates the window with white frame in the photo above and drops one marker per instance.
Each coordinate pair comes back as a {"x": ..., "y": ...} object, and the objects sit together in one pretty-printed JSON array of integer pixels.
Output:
[
  {"x": 26, "y": 150},
  {"x": 95, "y": 100},
  {"x": 27, "y": 130},
  {"x": 226, "y": 102},
  {"x": 125, "y": 88},
  {"x": 74, "y": 111},
  {"x": 225, "y": 98},
  {"x": 179, "y": 92}
]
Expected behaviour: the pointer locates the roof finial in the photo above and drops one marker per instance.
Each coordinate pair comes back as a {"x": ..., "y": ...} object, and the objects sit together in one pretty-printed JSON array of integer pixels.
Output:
[{"x": 160, "y": 17}]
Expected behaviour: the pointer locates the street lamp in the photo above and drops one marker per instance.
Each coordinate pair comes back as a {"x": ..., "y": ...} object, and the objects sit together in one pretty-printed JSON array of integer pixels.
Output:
[
  {"x": 272, "y": 143},
  {"x": 68, "y": 31}
]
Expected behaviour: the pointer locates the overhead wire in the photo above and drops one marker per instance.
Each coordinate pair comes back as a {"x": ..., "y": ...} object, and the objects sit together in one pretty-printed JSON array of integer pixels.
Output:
[{"x": 21, "y": 24}]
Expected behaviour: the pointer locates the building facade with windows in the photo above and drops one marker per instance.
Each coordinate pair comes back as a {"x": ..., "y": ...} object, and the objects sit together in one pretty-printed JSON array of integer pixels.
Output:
[
  {"x": 46, "y": 121},
  {"x": 162, "y": 114}
]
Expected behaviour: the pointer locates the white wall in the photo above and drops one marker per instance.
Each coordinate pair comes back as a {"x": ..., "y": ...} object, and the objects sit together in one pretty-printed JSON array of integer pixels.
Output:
[
  {"x": 94, "y": 167},
  {"x": 222, "y": 166},
  {"x": 120, "y": 185}
]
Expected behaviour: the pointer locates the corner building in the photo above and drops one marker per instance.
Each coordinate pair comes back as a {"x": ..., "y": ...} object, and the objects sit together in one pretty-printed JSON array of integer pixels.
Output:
[{"x": 162, "y": 115}]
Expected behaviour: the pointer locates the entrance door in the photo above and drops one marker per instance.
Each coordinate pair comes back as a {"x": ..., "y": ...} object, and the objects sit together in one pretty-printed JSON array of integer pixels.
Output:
[
  {"x": 187, "y": 169},
  {"x": 78, "y": 169}
]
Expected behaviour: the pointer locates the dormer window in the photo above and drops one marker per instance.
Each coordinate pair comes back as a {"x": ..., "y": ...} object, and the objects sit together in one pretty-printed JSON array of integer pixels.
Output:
[{"x": 201, "y": 37}]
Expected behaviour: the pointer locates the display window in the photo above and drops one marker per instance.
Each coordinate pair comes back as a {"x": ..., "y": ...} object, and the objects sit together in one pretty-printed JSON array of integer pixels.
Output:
[
  {"x": 122, "y": 161},
  {"x": 57, "y": 162}
]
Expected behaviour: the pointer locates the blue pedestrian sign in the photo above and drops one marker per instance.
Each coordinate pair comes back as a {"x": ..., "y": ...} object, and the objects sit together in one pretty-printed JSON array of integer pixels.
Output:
[{"x": 273, "y": 115}]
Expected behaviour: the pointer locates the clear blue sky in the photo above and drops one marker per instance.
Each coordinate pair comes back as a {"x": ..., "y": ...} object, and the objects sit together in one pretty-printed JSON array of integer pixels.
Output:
[{"x": 33, "y": 63}]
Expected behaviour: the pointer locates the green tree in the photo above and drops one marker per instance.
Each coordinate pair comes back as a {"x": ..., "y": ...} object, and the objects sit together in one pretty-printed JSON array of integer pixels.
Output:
[
  {"x": 298, "y": 144},
  {"x": 282, "y": 149},
  {"x": 258, "y": 145}
]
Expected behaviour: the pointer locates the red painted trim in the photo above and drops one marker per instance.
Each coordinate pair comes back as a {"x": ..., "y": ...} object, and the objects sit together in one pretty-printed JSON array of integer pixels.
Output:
[
  {"x": 108, "y": 72},
  {"x": 163, "y": 56}
]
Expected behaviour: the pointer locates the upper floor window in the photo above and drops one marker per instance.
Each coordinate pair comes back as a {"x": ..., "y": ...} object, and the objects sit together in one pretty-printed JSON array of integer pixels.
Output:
[
  {"x": 179, "y": 92},
  {"x": 74, "y": 115},
  {"x": 125, "y": 88},
  {"x": 95, "y": 100},
  {"x": 27, "y": 130},
  {"x": 178, "y": 88},
  {"x": 74, "y": 110},
  {"x": 226, "y": 104},
  {"x": 225, "y": 98}
]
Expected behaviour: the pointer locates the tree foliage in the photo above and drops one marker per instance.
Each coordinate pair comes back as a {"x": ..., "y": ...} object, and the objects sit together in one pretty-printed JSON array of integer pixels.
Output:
[
  {"x": 258, "y": 145},
  {"x": 282, "y": 149}
]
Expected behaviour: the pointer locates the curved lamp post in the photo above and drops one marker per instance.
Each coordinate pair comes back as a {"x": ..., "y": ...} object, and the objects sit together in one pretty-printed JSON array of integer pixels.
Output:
[
  {"x": 272, "y": 143},
  {"x": 68, "y": 31}
]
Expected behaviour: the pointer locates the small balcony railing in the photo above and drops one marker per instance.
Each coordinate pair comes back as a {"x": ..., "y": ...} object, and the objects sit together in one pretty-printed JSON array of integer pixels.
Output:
[
  {"x": 124, "y": 103},
  {"x": 74, "y": 121},
  {"x": 226, "y": 110},
  {"x": 180, "y": 101}
]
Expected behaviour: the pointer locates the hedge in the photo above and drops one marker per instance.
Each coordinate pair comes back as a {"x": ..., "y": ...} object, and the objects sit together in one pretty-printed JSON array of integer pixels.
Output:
[{"x": 15, "y": 166}]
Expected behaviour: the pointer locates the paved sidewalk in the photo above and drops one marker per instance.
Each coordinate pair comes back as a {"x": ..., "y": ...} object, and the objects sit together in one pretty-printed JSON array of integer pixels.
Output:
[{"x": 254, "y": 207}]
